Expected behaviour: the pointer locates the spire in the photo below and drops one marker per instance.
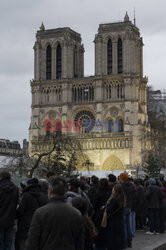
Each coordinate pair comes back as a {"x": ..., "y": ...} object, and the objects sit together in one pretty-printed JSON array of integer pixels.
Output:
[
  {"x": 42, "y": 28},
  {"x": 126, "y": 18}
]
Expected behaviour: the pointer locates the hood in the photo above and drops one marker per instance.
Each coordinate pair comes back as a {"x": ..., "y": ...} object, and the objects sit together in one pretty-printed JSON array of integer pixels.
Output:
[
  {"x": 33, "y": 190},
  {"x": 6, "y": 186},
  {"x": 152, "y": 181}
]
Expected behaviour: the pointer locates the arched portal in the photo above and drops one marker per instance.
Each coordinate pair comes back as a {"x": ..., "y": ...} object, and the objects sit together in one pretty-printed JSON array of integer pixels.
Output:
[{"x": 112, "y": 163}]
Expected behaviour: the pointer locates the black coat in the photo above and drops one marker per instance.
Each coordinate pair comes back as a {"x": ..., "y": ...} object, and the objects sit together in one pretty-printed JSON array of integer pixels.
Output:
[
  {"x": 129, "y": 192},
  {"x": 8, "y": 203},
  {"x": 154, "y": 196},
  {"x": 99, "y": 203},
  {"x": 57, "y": 225},
  {"x": 115, "y": 226},
  {"x": 140, "y": 201},
  {"x": 32, "y": 198}
]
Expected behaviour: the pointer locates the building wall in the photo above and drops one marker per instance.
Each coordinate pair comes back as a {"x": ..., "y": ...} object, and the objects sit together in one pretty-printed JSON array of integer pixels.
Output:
[{"x": 102, "y": 97}]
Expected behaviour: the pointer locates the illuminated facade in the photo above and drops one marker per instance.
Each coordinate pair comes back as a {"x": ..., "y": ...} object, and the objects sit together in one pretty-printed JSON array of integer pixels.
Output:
[{"x": 111, "y": 105}]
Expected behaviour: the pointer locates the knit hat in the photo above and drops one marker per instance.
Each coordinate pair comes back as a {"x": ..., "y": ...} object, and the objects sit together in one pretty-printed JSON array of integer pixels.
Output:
[
  {"x": 32, "y": 181},
  {"x": 123, "y": 177}
]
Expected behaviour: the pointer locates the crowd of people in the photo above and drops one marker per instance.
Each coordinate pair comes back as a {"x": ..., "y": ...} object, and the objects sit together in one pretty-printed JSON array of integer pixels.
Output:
[{"x": 79, "y": 213}]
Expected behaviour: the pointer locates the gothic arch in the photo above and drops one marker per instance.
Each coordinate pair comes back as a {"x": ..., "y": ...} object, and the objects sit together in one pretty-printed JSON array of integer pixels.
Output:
[
  {"x": 46, "y": 43},
  {"x": 112, "y": 163},
  {"x": 55, "y": 43}
]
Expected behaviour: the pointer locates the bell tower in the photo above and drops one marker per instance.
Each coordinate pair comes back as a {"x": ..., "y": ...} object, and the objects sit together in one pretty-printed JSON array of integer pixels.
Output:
[
  {"x": 118, "y": 49},
  {"x": 59, "y": 54}
]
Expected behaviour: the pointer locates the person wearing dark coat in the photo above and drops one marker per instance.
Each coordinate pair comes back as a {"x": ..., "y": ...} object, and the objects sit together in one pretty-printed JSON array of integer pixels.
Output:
[
  {"x": 115, "y": 220},
  {"x": 101, "y": 198},
  {"x": 128, "y": 190},
  {"x": 57, "y": 225},
  {"x": 94, "y": 182},
  {"x": 8, "y": 204},
  {"x": 32, "y": 198},
  {"x": 89, "y": 229},
  {"x": 139, "y": 205},
  {"x": 154, "y": 198}
]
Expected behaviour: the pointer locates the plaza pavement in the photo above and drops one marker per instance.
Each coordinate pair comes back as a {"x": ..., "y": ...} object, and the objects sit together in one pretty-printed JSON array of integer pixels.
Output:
[{"x": 142, "y": 241}]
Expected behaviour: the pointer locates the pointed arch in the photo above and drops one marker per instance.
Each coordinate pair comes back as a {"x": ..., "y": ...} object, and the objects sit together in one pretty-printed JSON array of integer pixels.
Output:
[
  {"x": 112, "y": 163},
  {"x": 109, "y": 57},
  {"x": 58, "y": 62},
  {"x": 48, "y": 62},
  {"x": 120, "y": 56}
]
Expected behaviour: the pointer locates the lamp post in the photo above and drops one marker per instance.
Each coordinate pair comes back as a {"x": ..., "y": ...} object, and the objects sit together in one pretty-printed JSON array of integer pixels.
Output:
[{"x": 88, "y": 164}]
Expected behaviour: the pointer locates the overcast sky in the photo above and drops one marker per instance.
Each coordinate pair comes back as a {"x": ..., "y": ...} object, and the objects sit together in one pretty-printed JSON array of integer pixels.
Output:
[{"x": 19, "y": 21}]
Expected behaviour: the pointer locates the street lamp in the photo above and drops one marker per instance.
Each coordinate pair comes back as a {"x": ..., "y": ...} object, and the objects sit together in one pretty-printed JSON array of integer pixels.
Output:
[{"x": 88, "y": 164}]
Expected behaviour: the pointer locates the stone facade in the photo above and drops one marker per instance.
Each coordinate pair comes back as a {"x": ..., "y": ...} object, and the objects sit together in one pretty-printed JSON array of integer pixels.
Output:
[{"x": 112, "y": 102}]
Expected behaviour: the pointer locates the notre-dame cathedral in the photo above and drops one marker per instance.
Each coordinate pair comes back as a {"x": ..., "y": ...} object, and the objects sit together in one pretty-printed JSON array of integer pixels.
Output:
[{"x": 110, "y": 107}]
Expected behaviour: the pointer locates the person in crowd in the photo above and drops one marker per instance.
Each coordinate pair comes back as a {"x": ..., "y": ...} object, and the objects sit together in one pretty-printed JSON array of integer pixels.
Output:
[
  {"x": 43, "y": 183},
  {"x": 140, "y": 208},
  {"x": 162, "y": 207},
  {"x": 32, "y": 198},
  {"x": 89, "y": 228},
  {"x": 100, "y": 200},
  {"x": 56, "y": 225},
  {"x": 73, "y": 190},
  {"x": 154, "y": 198},
  {"x": 111, "y": 181},
  {"x": 84, "y": 185},
  {"x": 129, "y": 193},
  {"x": 8, "y": 202},
  {"x": 133, "y": 207},
  {"x": 115, "y": 220},
  {"x": 94, "y": 182}
]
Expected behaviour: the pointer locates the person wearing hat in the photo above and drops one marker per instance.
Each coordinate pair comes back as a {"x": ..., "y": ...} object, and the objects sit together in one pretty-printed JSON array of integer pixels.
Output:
[{"x": 32, "y": 198}]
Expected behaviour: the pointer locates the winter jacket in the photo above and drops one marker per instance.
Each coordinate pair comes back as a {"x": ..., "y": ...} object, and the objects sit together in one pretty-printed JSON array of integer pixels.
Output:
[
  {"x": 129, "y": 192},
  {"x": 8, "y": 202},
  {"x": 154, "y": 196},
  {"x": 99, "y": 203},
  {"x": 56, "y": 226},
  {"x": 140, "y": 200},
  {"x": 115, "y": 225},
  {"x": 32, "y": 198}
]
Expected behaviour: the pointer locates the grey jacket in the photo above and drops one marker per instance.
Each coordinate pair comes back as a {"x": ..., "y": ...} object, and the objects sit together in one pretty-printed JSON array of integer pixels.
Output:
[{"x": 57, "y": 225}]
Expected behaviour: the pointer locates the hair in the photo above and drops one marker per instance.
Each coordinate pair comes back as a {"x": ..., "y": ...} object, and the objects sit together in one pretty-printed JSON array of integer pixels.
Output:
[
  {"x": 57, "y": 185},
  {"x": 119, "y": 195},
  {"x": 74, "y": 185},
  {"x": 81, "y": 204},
  {"x": 49, "y": 174},
  {"x": 4, "y": 175},
  {"x": 111, "y": 178},
  {"x": 95, "y": 179},
  {"x": 103, "y": 185}
]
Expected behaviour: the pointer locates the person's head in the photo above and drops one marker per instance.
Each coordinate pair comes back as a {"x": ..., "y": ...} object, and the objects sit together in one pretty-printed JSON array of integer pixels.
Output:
[
  {"x": 152, "y": 181},
  {"x": 57, "y": 186},
  {"x": 111, "y": 178},
  {"x": 94, "y": 180},
  {"x": 74, "y": 185},
  {"x": 5, "y": 175},
  {"x": 123, "y": 177},
  {"x": 83, "y": 179},
  {"x": 117, "y": 193},
  {"x": 103, "y": 185},
  {"x": 49, "y": 174},
  {"x": 81, "y": 204}
]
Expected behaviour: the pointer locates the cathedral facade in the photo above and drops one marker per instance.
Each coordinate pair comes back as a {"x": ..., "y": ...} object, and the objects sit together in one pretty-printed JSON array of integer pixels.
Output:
[{"x": 107, "y": 112}]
